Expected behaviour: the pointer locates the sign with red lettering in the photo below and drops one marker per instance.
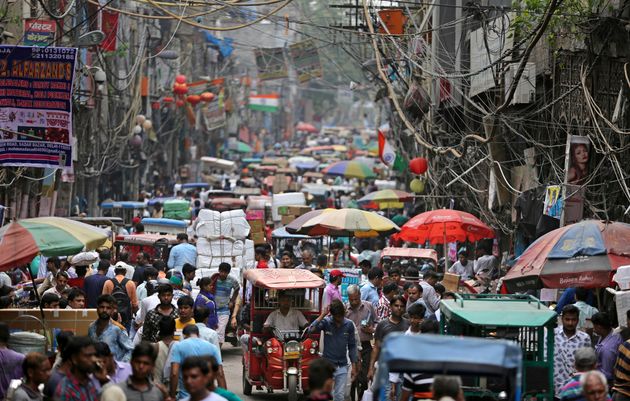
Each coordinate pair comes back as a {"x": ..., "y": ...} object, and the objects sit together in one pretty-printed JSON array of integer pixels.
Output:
[
  {"x": 36, "y": 106},
  {"x": 39, "y": 32}
]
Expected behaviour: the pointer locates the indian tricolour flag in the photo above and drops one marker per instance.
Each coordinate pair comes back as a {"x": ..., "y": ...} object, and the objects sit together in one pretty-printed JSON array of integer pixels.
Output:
[
  {"x": 269, "y": 102},
  {"x": 388, "y": 155}
]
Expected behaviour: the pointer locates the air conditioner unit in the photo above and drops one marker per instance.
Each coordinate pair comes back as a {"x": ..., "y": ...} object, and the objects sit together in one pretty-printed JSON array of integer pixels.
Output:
[{"x": 526, "y": 88}]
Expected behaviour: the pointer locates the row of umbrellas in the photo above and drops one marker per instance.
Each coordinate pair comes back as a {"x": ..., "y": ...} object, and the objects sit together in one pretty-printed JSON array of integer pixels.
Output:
[{"x": 581, "y": 254}]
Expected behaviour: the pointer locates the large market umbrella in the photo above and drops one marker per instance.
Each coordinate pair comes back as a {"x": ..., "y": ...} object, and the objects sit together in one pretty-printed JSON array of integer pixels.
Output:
[
  {"x": 303, "y": 162},
  {"x": 22, "y": 240},
  {"x": 347, "y": 223},
  {"x": 583, "y": 254},
  {"x": 241, "y": 147},
  {"x": 386, "y": 199},
  {"x": 324, "y": 148},
  {"x": 443, "y": 226},
  {"x": 350, "y": 169},
  {"x": 294, "y": 226},
  {"x": 302, "y": 126}
]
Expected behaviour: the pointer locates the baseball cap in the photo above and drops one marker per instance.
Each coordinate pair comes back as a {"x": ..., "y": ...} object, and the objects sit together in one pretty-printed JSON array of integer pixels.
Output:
[{"x": 336, "y": 273}]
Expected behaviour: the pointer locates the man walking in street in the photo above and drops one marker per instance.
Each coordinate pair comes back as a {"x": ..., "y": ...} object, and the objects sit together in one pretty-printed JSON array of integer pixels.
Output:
[
  {"x": 151, "y": 326},
  {"x": 429, "y": 295},
  {"x": 585, "y": 360},
  {"x": 10, "y": 361},
  {"x": 191, "y": 346},
  {"x": 182, "y": 253},
  {"x": 226, "y": 292},
  {"x": 104, "y": 330},
  {"x": 363, "y": 316},
  {"x": 369, "y": 292},
  {"x": 139, "y": 386},
  {"x": 77, "y": 386},
  {"x": 124, "y": 292},
  {"x": 394, "y": 323},
  {"x": 195, "y": 372},
  {"x": 332, "y": 292},
  {"x": 339, "y": 343},
  {"x": 94, "y": 284},
  {"x": 567, "y": 340},
  {"x": 383, "y": 307}
]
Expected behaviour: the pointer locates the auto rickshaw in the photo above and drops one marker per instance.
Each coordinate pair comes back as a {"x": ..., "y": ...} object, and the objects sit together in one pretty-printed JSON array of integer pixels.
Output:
[
  {"x": 164, "y": 226},
  {"x": 519, "y": 318},
  {"x": 280, "y": 238},
  {"x": 126, "y": 210},
  {"x": 279, "y": 361},
  {"x": 489, "y": 369},
  {"x": 417, "y": 256},
  {"x": 157, "y": 246}
]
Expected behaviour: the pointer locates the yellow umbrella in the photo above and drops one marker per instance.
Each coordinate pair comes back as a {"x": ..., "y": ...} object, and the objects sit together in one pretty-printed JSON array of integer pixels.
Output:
[{"x": 348, "y": 223}]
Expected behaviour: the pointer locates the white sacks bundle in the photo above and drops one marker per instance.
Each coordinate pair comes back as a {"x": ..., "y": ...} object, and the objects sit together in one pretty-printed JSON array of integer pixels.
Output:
[
  {"x": 219, "y": 247},
  {"x": 211, "y": 223},
  {"x": 221, "y": 237}
]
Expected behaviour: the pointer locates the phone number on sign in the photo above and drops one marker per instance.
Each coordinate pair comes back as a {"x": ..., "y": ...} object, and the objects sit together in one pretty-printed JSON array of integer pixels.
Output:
[{"x": 53, "y": 53}]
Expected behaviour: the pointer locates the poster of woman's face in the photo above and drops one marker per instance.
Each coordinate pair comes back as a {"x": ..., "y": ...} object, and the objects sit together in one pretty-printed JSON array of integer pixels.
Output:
[{"x": 579, "y": 156}]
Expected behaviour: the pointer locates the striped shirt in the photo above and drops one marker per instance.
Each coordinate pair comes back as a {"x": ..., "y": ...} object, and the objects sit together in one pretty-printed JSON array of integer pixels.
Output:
[
  {"x": 622, "y": 370},
  {"x": 572, "y": 390}
]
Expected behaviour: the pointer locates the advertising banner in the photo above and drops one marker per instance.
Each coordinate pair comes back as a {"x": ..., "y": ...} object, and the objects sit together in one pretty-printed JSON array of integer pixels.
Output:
[
  {"x": 305, "y": 59},
  {"x": 214, "y": 112},
  {"x": 577, "y": 169},
  {"x": 109, "y": 23},
  {"x": 271, "y": 63},
  {"x": 36, "y": 106},
  {"x": 39, "y": 32}
]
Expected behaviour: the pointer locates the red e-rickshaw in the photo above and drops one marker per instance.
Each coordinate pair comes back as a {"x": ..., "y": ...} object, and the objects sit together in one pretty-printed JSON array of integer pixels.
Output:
[{"x": 279, "y": 360}]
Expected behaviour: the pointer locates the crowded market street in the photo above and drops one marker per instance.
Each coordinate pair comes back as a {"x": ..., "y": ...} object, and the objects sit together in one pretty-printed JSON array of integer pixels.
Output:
[{"x": 303, "y": 200}]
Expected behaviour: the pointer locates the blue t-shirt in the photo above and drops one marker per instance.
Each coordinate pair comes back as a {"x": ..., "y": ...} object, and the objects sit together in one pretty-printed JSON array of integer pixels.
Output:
[
  {"x": 192, "y": 347},
  {"x": 223, "y": 293}
]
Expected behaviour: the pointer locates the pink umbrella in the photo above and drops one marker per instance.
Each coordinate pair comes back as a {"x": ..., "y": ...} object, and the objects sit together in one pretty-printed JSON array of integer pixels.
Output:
[{"x": 302, "y": 126}]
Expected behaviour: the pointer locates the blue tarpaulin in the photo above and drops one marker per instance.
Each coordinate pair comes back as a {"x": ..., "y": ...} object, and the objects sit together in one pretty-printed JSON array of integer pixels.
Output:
[{"x": 224, "y": 45}]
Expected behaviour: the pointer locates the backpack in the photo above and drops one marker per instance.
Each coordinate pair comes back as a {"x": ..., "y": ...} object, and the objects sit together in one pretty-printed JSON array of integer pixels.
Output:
[{"x": 122, "y": 299}]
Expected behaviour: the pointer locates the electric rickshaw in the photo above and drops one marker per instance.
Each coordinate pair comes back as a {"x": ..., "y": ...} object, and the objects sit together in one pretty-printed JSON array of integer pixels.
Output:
[{"x": 279, "y": 360}]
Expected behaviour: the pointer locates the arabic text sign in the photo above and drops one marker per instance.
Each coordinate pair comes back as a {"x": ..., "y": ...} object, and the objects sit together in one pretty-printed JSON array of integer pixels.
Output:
[{"x": 36, "y": 106}]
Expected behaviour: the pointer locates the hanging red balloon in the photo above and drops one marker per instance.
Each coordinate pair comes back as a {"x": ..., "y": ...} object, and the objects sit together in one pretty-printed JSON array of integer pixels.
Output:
[
  {"x": 193, "y": 99},
  {"x": 179, "y": 103},
  {"x": 180, "y": 89},
  {"x": 180, "y": 79},
  {"x": 207, "y": 97},
  {"x": 418, "y": 165}
]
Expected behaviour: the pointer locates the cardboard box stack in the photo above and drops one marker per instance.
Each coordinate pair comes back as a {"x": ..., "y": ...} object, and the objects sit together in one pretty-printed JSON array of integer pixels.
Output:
[
  {"x": 256, "y": 220},
  {"x": 290, "y": 213},
  {"x": 222, "y": 237}
]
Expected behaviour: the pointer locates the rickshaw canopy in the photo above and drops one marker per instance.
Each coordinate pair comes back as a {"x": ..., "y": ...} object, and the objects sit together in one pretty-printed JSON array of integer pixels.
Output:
[
  {"x": 146, "y": 239},
  {"x": 481, "y": 310},
  {"x": 421, "y": 253},
  {"x": 448, "y": 355},
  {"x": 283, "y": 233},
  {"x": 123, "y": 205},
  {"x": 283, "y": 279}
]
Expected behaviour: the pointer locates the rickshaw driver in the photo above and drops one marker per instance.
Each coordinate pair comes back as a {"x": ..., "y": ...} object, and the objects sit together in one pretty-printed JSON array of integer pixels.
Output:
[{"x": 285, "y": 318}]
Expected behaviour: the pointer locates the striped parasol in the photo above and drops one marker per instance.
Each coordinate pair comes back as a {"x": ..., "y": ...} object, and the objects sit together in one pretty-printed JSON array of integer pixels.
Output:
[
  {"x": 345, "y": 223},
  {"x": 350, "y": 169},
  {"x": 22, "y": 240}
]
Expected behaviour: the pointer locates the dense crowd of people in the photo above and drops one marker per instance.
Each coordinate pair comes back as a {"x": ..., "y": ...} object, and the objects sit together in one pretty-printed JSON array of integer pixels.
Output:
[{"x": 156, "y": 339}]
